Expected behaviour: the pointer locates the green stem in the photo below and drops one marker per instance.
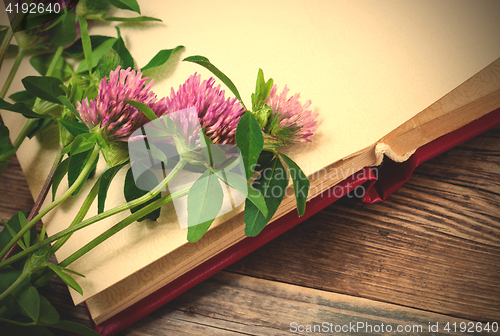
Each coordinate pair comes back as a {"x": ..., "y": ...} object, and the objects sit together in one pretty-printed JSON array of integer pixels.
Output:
[
  {"x": 123, "y": 224},
  {"x": 13, "y": 286},
  {"x": 5, "y": 43},
  {"x": 28, "y": 125},
  {"x": 132, "y": 204},
  {"x": 50, "y": 71},
  {"x": 135, "y": 216},
  {"x": 54, "y": 61},
  {"x": 22, "y": 324},
  {"x": 12, "y": 73},
  {"x": 46, "y": 186},
  {"x": 79, "y": 217},
  {"x": 41, "y": 196},
  {"x": 58, "y": 201}
]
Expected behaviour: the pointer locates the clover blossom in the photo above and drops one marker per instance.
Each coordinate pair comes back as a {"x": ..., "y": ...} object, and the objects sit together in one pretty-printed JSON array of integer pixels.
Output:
[
  {"x": 289, "y": 121},
  {"x": 218, "y": 115},
  {"x": 115, "y": 119}
]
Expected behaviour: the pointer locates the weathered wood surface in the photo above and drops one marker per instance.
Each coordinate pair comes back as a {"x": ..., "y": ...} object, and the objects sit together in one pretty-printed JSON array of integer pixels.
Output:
[{"x": 434, "y": 245}]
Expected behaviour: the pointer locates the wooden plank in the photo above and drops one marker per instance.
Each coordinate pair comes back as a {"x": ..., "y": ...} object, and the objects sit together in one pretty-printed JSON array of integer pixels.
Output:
[
  {"x": 433, "y": 245},
  {"x": 240, "y": 305},
  {"x": 14, "y": 192}
]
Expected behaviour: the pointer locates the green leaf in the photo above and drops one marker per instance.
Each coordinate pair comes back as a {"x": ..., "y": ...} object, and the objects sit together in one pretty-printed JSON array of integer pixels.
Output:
[
  {"x": 13, "y": 227},
  {"x": 250, "y": 141},
  {"x": 66, "y": 149},
  {"x": 96, "y": 55},
  {"x": 132, "y": 19},
  {"x": 265, "y": 158},
  {"x": 104, "y": 183},
  {"x": 67, "y": 270},
  {"x": 300, "y": 183},
  {"x": 59, "y": 174},
  {"x": 46, "y": 88},
  {"x": 204, "y": 62},
  {"x": 131, "y": 191},
  {"x": 66, "y": 278},
  {"x": 87, "y": 46},
  {"x": 157, "y": 153},
  {"x": 23, "y": 96},
  {"x": 41, "y": 64},
  {"x": 127, "y": 4},
  {"x": 65, "y": 31},
  {"x": 100, "y": 141},
  {"x": 20, "y": 108},
  {"x": 90, "y": 92},
  {"x": 239, "y": 183},
  {"x": 76, "y": 49},
  {"x": 272, "y": 183},
  {"x": 48, "y": 314},
  {"x": 145, "y": 109},
  {"x": 74, "y": 127},
  {"x": 83, "y": 143},
  {"x": 69, "y": 106},
  {"x": 26, "y": 296},
  {"x": 6, "y": 149},
  {"x": 213, "y": 153},
  {"x": 40, "y": 124},
  {"x": 75, "y": 328},
  {"x": 8, "y": 275},
  {"x": 122, "y": 51},
  {"x": 13, "y": 234},
  {"x": 160, "y": 58},
  {"x": 204, "y": 203},
  {"x": 262, "y": 91},
  {"x": 76, "y": 164}
]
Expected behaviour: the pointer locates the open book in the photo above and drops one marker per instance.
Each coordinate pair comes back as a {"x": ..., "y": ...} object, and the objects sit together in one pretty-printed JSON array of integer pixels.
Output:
[{"x": 385, "y": 77}]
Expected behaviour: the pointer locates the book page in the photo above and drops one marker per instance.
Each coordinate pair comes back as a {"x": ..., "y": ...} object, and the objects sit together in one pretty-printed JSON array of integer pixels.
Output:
[{"x": 366, "y": 66}]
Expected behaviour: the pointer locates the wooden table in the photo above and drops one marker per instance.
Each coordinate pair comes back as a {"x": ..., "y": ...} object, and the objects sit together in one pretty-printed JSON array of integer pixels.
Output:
[{"x": 430, "y": 253}]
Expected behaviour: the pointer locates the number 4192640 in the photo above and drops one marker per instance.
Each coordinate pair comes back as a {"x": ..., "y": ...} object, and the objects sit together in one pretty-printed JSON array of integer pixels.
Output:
[
  {"x": 33, "y": 8},
  {"x": 471, "y": 327}
]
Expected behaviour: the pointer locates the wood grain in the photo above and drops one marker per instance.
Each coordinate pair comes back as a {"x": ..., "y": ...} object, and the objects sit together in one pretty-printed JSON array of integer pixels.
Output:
[
  {"x": 432, "y": 247},
  {"x": 14, "y": 191},
  {"x": 232, "y": 304}
]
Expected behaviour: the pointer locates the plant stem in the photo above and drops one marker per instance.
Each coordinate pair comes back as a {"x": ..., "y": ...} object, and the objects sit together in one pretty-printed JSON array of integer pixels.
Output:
[
  {"x": 135, "y": 216},
  {"x": 123, "y": 224},
  {"x": 41, "y": 196},
  {"x": 28, "y": 125},
  {"x": 132, "y": 204},
  {"x": 22, "y": 324},
  {"x": 50, "y": 70},
  {"x": 46, "y": 186},
  {"x": 13, "y": 71},
  {"x": 54, "y": 61},
  {"x": 13, "y": 286},
  {"x": 58, "y": 201},
  {"x": 79, "y": 217},
  {"x": 5, "y": 43}
]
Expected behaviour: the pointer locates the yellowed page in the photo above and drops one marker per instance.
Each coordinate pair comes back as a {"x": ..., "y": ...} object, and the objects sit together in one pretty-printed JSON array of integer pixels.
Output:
[{"x": 367, "y": 67}]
